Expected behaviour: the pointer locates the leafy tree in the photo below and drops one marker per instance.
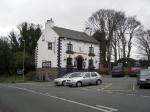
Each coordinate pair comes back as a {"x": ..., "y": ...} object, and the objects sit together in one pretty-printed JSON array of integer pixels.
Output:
[
  {"x": 5, "y": 55},
  {"x": 30, "y": 33},
  {"x": 14, "y": 41},
  {"x": 17, "y": 61},
  {"x": 100, "y": 36}
]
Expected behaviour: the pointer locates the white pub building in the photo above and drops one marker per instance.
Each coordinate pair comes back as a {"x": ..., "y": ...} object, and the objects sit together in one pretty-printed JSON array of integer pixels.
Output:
[{"x": 60, "y": 50}]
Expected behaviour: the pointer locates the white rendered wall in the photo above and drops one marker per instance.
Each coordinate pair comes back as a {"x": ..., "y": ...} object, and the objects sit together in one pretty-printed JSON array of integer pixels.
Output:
[
  {"x": 43, "y": 53},
  {"x": 80, "y": 48}
]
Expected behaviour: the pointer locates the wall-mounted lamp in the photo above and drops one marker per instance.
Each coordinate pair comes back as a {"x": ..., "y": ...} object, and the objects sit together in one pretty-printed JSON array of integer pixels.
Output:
[{"x": 95, "y": 61}]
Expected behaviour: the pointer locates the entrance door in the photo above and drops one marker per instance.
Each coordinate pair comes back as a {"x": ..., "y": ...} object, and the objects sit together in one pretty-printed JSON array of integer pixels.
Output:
[{"x": 79, "y": 62}]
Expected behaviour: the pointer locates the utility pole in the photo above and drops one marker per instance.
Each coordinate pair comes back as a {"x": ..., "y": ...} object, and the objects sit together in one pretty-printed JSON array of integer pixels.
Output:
[{"x": 23, "y": 58}]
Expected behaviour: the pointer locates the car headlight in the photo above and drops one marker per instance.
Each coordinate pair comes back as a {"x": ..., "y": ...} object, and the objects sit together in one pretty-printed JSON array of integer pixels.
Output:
[{"x": 142, "y": 79}]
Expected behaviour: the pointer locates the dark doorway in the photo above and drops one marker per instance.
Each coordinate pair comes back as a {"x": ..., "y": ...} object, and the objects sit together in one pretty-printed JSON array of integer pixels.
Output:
[{"x": 79, "y": 62}]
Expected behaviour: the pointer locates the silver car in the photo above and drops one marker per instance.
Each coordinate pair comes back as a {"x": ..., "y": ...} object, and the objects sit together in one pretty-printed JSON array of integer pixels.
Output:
[
  {"x": 143, "y": 79},
  {"x": 84, "y": 78},
  {"x": 62, "y": 80}
]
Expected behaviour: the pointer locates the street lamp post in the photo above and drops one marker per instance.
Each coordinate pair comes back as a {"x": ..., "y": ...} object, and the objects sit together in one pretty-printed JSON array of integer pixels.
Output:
[{"x": 23, "y": 58}]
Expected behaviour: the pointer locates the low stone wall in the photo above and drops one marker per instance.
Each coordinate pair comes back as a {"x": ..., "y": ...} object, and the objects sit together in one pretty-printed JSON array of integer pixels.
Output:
[{"x": 46, "y": 74}]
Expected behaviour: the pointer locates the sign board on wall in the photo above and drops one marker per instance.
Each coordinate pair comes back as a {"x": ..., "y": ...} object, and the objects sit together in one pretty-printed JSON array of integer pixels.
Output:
[{"x": 46, "y": 64}]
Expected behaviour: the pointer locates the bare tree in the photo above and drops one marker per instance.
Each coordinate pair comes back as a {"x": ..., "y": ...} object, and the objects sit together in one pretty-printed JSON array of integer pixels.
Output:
[
  {"x": 119, "y": 31},
  {"x": 104, "y": 21},
  {"x": 134, "y": 27},
  {"x": 143, "y": 43}
]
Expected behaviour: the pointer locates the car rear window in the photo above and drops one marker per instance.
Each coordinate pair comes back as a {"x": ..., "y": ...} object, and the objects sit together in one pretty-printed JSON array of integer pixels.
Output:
[{"x": 93, "y": 74}]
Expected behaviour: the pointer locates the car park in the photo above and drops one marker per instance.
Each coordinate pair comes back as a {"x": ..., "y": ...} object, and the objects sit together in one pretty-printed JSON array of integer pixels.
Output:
[
  {"x": 84, "y": 78},
  {"x": 62, "y": 80},
  {"x": 143, "y": 78},
  {"x": 117, "y": 71}
]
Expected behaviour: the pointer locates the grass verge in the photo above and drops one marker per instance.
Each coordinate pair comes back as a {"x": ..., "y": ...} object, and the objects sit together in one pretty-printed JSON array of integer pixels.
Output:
[{"x": 15, "y": 78}]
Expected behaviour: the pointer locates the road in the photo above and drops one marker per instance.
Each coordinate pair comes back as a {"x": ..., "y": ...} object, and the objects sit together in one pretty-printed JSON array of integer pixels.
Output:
[{"x": 114, "y": 95}]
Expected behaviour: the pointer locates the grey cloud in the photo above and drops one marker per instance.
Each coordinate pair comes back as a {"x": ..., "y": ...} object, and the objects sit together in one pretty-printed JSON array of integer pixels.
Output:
[{"x": 66, "y": 13}]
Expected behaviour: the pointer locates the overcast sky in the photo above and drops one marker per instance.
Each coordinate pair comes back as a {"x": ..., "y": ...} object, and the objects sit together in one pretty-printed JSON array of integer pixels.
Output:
[{"x": 65, "y": 13}]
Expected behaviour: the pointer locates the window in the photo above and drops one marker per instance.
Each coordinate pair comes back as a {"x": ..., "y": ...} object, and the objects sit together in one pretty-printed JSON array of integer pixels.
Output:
[
  {"x": 91, "y": 62},
  {"x": 49, "y": 46},
  {"x": 93, "y": 74},
  {"x": 69, "y": 61},
  {"x": 91, "y": 49},
  {"x": 69, "y": 47},
  {"x": 87, "y": 75}
]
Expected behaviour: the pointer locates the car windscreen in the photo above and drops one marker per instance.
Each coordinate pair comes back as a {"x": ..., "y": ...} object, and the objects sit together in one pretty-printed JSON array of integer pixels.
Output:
[
  {"x": 76, "y": 75},
  {"x": 116, "y": 68},
  {"x": 145, "y": 72},
  {"x": 67, "y": 75}
]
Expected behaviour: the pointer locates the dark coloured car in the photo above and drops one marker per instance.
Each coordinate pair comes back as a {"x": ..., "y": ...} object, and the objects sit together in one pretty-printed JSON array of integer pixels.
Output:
[
  {"x": 117, "y": 71},
  {"x": 143, "y": 79}
]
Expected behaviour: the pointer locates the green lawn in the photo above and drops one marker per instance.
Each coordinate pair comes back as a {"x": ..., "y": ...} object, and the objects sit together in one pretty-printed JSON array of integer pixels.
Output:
[{"x": 14, "y": 79}]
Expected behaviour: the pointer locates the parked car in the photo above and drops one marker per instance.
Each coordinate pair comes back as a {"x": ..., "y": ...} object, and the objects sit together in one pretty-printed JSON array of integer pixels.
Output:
[
  {"x": 62, "y": 80},
  {"x": 117, "y": 71},
  {"x": 84, "y": 78},
  {"x": 134, "y": 71},
  {"x": 143, "y": 79}
]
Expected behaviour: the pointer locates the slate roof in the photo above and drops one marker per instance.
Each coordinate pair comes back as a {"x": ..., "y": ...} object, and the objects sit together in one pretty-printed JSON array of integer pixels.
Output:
[{"x": 75, "y": 35}]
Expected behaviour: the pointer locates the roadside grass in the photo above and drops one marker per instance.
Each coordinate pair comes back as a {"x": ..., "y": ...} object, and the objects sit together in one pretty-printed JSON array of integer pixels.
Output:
[{"x": 5, "y": 78}]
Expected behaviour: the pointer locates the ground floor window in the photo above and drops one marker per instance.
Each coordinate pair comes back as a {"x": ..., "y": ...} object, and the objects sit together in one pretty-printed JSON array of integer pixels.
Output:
[
  {"x": 69, "y": 61},
  {"x": 91, "y": 64}
]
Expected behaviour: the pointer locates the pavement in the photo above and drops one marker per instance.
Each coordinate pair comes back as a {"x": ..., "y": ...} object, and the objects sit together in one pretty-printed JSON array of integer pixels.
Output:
[{"x": 114, "y": 95}]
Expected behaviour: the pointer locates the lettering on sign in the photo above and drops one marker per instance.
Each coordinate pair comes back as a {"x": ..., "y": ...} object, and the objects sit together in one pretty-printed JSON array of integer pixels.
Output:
[{"x": 46, "y": 64}]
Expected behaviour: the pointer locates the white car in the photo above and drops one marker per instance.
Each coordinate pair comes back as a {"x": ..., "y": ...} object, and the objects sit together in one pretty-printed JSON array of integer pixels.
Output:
[{"x": 62, "y": 80}]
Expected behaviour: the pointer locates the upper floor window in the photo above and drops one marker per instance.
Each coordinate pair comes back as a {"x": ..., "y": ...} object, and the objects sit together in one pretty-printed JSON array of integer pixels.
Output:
[
  {"x": 91, "y": 51},
  {"x": 69, "y": 48},
  {"x": 49, "y": 46}
]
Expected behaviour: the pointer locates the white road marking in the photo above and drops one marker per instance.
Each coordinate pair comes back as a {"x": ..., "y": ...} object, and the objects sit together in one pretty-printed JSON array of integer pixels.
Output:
[
  {"x": 34, "y": 84},
  {"x": 99, "y": 107},
  {"x": 133, "y": 87},
  {"x": 144, "y": 96},
  {"x": 107, "y": 86},
  {"x": 108, "y": 108},
  {"x": 131, "y": 94}
]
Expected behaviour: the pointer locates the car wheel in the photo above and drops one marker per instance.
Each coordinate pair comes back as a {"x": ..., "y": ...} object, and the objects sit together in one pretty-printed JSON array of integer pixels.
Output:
[
  {"x": 99, "y": 82},
  {"x": 78, "y": 84},
  {"x": 63, "y": 83}
]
